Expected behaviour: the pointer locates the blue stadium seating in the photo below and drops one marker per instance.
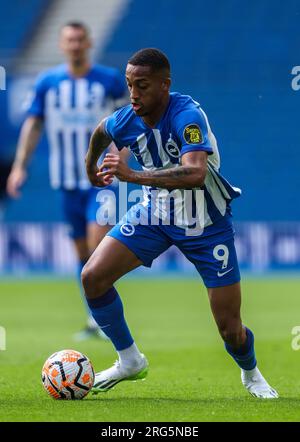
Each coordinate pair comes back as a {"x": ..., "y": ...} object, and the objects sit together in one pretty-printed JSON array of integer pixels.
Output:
[
  {"x": 17, "y": 20},
  {"x": 236, "y": 59}
]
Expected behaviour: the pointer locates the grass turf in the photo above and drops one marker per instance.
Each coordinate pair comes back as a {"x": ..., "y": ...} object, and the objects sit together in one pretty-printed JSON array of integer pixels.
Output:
[{"x": 191, "y": 377}]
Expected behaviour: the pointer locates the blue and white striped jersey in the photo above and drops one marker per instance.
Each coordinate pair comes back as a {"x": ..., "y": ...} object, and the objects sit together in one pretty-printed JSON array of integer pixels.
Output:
[
  {"x": 71, "y": 108},
  {"x": 184, "y": 127}
]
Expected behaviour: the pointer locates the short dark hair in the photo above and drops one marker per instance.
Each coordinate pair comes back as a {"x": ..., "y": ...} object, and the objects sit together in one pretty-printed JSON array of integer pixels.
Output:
[
  {"x": 152, "y": 57},
  {"x": 77, "y": 25}
]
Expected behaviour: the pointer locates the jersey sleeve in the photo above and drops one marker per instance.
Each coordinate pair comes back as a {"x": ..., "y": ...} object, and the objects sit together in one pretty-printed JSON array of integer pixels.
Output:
[
  {"x": 37, "y": 102},
  {"x": 112, "y": 131},
  {"x": 192, "y": 131}
]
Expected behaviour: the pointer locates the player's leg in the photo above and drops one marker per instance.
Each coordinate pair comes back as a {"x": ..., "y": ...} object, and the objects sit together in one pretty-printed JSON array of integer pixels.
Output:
[
  {"x": 110, "y": 261},
  {"x": 91, "y": 328},
  {"x": 74, "y": 206},
  {"x": 125, "y": 248},
  {"x": 95, "y": 234},
  {"x": 213, "y": 254},
  {"x": 100, "y": 215},
  {"x": 225, "y": 304},
  {"x": 96, "y": 229}
]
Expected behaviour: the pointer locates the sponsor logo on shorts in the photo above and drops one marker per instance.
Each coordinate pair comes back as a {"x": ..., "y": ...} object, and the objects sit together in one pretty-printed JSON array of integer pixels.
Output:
[{"x": 127, "y": 229}]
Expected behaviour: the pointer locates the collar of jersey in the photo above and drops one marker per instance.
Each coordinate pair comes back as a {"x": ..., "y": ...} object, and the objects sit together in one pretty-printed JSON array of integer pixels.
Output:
[{"x": 161, "y": 118}]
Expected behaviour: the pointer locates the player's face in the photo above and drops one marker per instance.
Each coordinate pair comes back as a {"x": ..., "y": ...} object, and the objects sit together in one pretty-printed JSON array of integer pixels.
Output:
[
  {"x": 75, "y": 44},
  {"x": 146, "y": 88}
]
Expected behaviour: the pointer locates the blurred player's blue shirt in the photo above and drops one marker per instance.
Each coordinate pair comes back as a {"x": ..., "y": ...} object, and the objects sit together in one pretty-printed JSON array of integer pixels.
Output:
[
  {"x": 71, "y": 108},
  {"x": 183, "y": 128}
]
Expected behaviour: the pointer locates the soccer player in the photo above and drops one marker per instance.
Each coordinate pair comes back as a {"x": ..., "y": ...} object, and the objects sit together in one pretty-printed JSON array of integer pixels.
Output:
[
  {"x": 170, "y": 136},
  {"x": 69, "y": 100}
]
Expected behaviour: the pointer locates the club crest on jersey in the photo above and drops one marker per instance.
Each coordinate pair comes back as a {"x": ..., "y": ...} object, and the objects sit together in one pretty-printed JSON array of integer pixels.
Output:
[
  {"x": 127, "y": 229},
  {"x": 172, "y": 148},
  {"x": 192, "y": 134}
]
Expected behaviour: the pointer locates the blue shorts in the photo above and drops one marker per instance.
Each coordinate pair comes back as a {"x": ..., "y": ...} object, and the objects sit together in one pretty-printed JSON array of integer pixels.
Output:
[
  {"x": 212, "y": 252},
  {"x": 81, "y": 207}
]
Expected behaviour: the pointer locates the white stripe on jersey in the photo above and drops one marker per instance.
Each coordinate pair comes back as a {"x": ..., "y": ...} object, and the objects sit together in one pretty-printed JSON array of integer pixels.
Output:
[
  {"x": 54, "y": 160},
  {"x": 81, "y": 102},
  {"x": 145, "y": 153},
  {"x": 65, "y": 103},
  {"x": 67, "y": 125},
  {"x": 166, "y": 164},
  {"x": 69, "y": 172},
  {"x": 215, "y": 157},
  {"x": 164, "y": 157},
  {"x": 81, "y": 146},
  {"x": 218, "y": 181},
  {"x": 97, "y": 98},
  {"x": 215, "y": 193},
  {"x": 207, "y": 218},
  {"x": 54, "y": 153},
  {"x": 65, "y": 97},
  {"x": 81, "y": 93}
]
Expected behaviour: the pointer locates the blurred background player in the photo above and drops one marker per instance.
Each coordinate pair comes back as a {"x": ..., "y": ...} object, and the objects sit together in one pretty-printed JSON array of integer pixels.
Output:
[{"x": 69, "y": 100}]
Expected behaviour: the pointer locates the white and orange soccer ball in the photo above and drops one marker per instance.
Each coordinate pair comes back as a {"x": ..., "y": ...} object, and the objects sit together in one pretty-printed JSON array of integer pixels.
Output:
[{"x": 68, "y": 374}]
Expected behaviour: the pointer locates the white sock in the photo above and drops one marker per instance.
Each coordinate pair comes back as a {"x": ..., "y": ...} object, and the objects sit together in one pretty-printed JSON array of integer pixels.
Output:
[{"x": 130, "y": 357}]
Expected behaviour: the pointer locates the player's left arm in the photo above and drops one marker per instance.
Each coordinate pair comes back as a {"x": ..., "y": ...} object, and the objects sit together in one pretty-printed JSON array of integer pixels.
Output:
[
  {"x": 191, "y": 130},
  {"x": 191, "y": 173}
]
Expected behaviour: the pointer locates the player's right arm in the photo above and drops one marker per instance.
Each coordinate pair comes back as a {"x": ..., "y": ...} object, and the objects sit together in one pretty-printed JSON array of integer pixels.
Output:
[
  {"x": 99, "y": 141},
  {"x": 28, "y": 140}
]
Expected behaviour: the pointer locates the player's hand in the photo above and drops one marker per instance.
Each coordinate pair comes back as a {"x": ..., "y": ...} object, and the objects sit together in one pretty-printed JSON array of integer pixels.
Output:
[
  {"x": 99, "y": 181},
  {"x": 15, "y": 181},
  {"x": 115, "y": 165}
]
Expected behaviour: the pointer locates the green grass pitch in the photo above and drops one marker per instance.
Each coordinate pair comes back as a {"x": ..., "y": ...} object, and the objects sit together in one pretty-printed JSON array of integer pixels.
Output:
[{"x": 191, "y": 377}]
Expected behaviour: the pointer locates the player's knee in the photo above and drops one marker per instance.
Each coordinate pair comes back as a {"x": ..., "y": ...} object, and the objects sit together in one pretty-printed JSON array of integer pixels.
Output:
[
  {"x": 231, "y": 334},
  {"x": 92, "y": 282},
  {"x": 86, "y": 279}
]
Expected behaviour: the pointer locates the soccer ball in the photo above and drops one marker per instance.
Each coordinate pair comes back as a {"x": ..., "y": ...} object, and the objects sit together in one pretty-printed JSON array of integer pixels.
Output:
[{"x": 68, "y": 374}]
